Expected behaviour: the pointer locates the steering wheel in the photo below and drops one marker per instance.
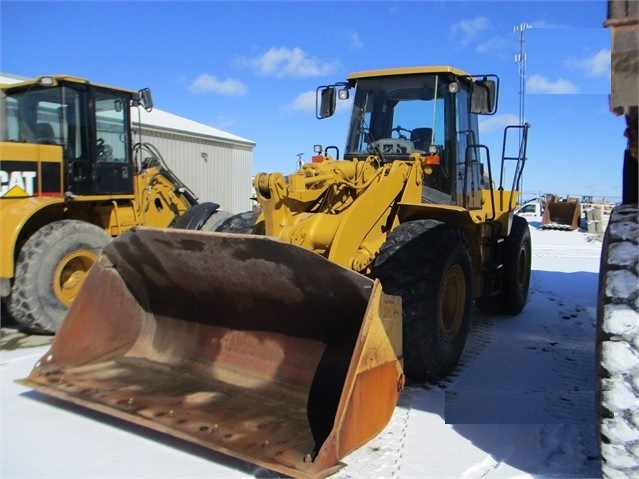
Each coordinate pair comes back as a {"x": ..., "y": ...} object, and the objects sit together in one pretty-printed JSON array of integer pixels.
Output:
[
  {"x": 392, "y": 146},
  {"x": 399, "y": 129},
  {"x": 105, "y": 151}
]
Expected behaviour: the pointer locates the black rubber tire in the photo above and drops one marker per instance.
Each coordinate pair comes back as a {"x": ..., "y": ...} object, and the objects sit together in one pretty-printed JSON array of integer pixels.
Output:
[
  {"x": 618, "y": 345},
  {"x": 202, "y": 217},
  {"x": 516, "y": 277},
  {"x": 242, "y": 223},
  {"x": 215, "y": 220},
  {"x": 50, "y": 269},
  {"x": 428, "y": 264},
  {"x": 195, "y": 217}
]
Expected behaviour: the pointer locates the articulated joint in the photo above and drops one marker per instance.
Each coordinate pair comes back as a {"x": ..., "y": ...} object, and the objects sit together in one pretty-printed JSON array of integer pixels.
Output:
[
  {"x": 269, "y": 186},
  {"x": 362, "y": 259}
]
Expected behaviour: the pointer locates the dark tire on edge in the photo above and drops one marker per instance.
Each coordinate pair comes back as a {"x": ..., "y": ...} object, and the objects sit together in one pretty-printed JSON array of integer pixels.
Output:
[
  {"x": 242, "y": 223},
  {"x": 215, "y": 220},
  {"x": 50, "y": 270},
  {"x": 618, "y": 346},
  {"x": 202, "y": 217},
  {"x": 516, "y": 277},
  {"x": 428, "y": 264}
]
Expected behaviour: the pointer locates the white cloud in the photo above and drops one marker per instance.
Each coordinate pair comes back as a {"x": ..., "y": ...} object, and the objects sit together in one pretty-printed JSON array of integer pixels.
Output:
[
  {"x": 224, "y": 123},
  {"x": 355, "y": 42},
  {"x": 546, "y": 24},
  {"x": 594, "y": 65},
  {"x": 468, "y": 30},
  {"x": 287, "y": 62},
  {"x": 494, "y": 45},
  {"x": 497, "y": 122},
  {"x": 540, "y": 84},
  {"x": 475, "y": 33},
  {"x": 206, "y": 83},
  {"x": 304, "y": 101}
]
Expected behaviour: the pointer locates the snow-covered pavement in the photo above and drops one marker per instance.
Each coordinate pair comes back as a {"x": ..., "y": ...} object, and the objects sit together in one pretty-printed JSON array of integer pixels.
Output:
[{"x": 520, "y": 405}]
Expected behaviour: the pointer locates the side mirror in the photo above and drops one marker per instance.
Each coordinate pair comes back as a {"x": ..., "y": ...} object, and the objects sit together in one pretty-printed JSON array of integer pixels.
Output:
[
  {"x": 145, "y": 99},
  {"x": 325, "y": 102},
  {"x": 483, "y": 100}
]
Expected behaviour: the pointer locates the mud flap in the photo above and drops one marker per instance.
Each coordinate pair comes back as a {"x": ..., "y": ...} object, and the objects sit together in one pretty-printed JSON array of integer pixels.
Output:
[{"x": 242, "y": 344}]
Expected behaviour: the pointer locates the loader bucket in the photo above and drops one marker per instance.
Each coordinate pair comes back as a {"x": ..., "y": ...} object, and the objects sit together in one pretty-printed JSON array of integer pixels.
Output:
[
  {"x": 562, "y": 213},
  {"x": 242, "y": 344}
]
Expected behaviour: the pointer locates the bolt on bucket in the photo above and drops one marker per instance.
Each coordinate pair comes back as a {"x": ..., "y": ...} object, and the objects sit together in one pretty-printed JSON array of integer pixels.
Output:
[{"x": 243, "y": 344}]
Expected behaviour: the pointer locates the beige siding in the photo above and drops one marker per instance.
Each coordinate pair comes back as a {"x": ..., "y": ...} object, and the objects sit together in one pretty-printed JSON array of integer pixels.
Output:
[{"x": 218, "y": 171}]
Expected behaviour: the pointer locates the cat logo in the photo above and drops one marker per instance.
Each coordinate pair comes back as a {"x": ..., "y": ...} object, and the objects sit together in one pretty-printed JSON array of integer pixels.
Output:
[{"x": 16, "y": 184}]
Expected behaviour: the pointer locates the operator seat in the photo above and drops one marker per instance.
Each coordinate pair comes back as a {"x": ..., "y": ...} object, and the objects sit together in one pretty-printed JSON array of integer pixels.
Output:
[
  {"x": 44, "y": 134},
  {"x": 421, "y": 138}
]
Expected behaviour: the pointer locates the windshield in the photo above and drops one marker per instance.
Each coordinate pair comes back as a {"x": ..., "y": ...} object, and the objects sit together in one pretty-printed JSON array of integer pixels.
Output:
[
  {"x": 50, "y": 116},
  {"x": 59, "y": 116},
  {"x": 398, "y": 115}
]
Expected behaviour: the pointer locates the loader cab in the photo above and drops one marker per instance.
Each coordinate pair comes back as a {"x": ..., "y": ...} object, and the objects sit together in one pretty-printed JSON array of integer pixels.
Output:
[
  {"x": 431, "y": 111},
  {"x": 90, "y": 123}
]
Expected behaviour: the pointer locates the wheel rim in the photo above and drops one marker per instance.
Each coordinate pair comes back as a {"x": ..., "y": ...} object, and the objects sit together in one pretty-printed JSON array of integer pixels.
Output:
[
  {"x": 453, "y": 302},
  {"x": 521, "y": 268},
  {"x": 70, "y": 274}
]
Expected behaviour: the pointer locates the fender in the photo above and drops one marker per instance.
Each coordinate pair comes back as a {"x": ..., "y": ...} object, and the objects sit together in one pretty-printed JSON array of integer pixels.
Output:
[
  {"x": 15, "y": 214},
  {"x": 196, "y": 216}
]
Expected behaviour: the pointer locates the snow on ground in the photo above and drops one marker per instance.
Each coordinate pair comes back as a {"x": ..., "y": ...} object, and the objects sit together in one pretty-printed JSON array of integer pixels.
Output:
[{"x": 520, "y": 405}]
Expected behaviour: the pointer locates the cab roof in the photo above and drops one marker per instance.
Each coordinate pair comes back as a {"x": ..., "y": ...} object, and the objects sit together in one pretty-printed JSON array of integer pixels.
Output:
[
  {"x": 53, "y": 80},
  {"x": 407, "y": 71}
]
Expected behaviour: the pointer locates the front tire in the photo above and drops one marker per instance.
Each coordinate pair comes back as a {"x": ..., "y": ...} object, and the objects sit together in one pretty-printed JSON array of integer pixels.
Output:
[
  {"x": 50, "y": 270},
  {"x": 428, "y": 264}
]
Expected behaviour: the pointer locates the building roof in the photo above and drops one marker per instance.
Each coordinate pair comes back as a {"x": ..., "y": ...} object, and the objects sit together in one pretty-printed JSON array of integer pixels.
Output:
[
  {"x": 163, "y": 121},
  {"x": 160, "y": 120}
]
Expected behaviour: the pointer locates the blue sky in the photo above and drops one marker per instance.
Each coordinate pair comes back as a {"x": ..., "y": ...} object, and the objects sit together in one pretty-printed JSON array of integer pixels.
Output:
[{"x": 251, "y": 68}]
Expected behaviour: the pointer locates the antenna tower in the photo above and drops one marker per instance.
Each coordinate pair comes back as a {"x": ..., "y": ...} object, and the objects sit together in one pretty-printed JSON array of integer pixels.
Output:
[{"x": 520, "y": 59}]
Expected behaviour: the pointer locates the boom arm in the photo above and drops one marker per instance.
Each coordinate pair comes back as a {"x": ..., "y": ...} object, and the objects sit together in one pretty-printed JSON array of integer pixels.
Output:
[{"x": 340, "y": 209}]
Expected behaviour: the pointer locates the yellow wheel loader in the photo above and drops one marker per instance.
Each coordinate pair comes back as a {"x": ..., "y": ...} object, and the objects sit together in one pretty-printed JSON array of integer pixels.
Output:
[
  {"x": 285, "y": 337},
  {"x": 70, "y": 179}
]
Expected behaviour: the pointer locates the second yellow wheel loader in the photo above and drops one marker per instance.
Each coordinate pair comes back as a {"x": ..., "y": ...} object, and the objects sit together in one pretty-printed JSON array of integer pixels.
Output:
[
  {"x": 279, "y": 347},
  {"x": 71, "y": 177}
]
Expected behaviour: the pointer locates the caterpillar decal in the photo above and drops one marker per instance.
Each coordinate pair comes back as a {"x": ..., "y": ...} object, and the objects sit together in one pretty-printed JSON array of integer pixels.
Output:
[{"x": 17, "y": 183}]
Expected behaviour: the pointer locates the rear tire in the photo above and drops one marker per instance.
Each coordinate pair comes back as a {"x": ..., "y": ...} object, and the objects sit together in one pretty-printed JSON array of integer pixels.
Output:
[
  {"x": 618, "y": 346},
  {"x": 516, "y": 277},
  {"x": 50, "y": 270},
  {"x": 427, "y": 263}
]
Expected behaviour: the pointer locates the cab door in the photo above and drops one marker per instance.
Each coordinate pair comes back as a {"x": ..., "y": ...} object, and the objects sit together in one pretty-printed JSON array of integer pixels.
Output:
[
  {"x": 74, "y": 122},
  {"x": 470, "y": 169},
  {"x": 112, "y": 169}
]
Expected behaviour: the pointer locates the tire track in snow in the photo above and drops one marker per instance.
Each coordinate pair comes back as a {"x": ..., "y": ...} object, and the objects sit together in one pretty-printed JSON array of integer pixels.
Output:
[
  {"x": 557, "y": 251},
  {"x": 568, "y": 439},
  {"x": 383, "y": 455},
  {"x": 480, "y": 336}
]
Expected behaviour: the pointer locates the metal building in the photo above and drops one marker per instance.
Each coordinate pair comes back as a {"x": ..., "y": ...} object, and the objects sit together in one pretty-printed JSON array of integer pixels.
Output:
[{"x": 214, "y": 164}]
